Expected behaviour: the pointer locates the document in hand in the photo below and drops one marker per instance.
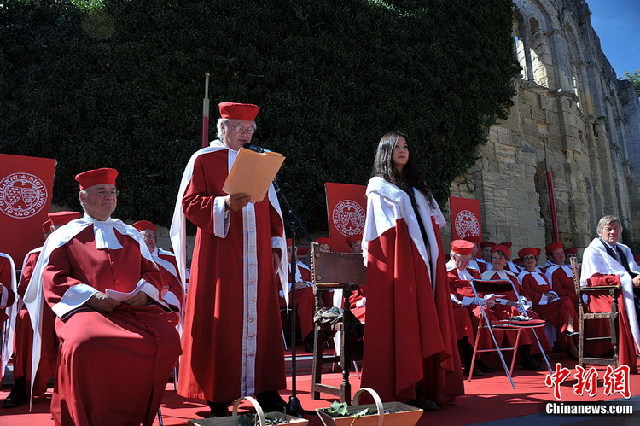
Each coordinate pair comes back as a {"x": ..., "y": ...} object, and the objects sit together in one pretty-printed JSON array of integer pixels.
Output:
[{"x": 252, "y": 173}]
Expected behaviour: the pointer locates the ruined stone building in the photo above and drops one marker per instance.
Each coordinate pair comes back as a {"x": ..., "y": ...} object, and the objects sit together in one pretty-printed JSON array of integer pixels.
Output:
[{"x": 572, "y": 117}]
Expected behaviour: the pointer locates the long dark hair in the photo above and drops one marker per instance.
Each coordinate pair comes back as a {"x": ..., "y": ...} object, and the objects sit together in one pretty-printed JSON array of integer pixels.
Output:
[{"x": 411, "y": 176}]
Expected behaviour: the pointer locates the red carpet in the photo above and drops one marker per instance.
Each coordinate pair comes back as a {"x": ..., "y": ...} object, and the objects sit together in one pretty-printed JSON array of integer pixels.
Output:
[{"x": 487, "y": 398}]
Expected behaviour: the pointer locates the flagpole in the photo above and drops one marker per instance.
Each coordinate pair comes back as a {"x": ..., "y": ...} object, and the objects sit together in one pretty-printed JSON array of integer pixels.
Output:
[{"x": 205, "y": 114}]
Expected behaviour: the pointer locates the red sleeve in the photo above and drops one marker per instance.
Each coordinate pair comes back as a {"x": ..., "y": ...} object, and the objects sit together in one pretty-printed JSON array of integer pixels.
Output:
[
  {"x": 5, "y": 279},
  {"x": 25, "y": 275},
  {"x": 56, "y": 277},
  {"x": 198, "y": 199}
]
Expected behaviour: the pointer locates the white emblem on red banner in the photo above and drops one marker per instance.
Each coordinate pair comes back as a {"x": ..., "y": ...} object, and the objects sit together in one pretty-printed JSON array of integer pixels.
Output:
[
  {"x": 22, "y": 195},
  {"x": 467, "y": 224},
  {"x": 348, "y": 217}
]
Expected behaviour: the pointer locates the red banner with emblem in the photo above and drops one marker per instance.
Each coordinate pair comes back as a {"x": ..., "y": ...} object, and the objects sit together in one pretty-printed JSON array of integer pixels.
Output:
[
  {"x": 465, "y": 218},
  {"x": 346, "y": 208},
  {"x": 26, "y": 188}
]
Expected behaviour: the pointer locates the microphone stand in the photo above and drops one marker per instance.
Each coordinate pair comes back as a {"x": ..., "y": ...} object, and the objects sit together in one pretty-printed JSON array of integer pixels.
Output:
[{"x": 293, "y": 407}]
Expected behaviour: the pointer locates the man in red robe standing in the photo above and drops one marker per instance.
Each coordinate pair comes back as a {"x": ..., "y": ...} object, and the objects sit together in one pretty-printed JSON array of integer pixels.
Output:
[
  {"x": 118, "y": 342},
  {"x": 24, "y": 331},
  {"x": 232, "y": 337}
]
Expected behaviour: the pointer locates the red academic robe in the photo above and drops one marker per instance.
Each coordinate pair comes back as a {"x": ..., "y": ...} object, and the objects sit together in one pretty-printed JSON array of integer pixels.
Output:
[
  {"x": 113, "y": 366},
  {"x": 170, "y": 282},
  {"x": 562, "y": 283},
  {"x": 461, "y": 288},
  {"x": 232, "y": 337},
  {"x": 24, "y": 336},
  {"x": 557, "y": 312},
  {"x": 410, "y": 335}
]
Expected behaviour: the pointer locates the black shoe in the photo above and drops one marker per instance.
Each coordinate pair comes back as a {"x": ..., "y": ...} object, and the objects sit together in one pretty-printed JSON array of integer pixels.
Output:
[
  {"x": 532, "y": 364},
  {"x": 18, "y": 395},
  {"x": 219, "y": 409},
  {"x": 271, "y": 401},
  {"x": 571, "y": 333},
  {"x": 423, "y": 403}
]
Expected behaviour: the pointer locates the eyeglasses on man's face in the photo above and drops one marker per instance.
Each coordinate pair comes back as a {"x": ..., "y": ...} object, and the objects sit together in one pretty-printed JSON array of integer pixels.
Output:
[
  {"x": 241, "y": 129},
  {"x": 107, "y": 192}
]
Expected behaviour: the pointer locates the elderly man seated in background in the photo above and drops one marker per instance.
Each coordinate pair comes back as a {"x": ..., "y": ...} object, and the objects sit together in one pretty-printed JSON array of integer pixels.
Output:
[{"x": 606, "y": 256}]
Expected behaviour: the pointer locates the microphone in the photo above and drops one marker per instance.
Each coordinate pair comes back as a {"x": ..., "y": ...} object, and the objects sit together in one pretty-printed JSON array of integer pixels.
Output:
[{"x": 255, "y": 148}]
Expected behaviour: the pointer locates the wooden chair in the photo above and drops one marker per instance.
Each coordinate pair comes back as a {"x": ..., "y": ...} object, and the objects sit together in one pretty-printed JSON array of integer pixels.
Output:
[
  {"x": 612, "y": 318},
  {"x": 501, "y": 286},
  {"x": 335, "y": 271}
]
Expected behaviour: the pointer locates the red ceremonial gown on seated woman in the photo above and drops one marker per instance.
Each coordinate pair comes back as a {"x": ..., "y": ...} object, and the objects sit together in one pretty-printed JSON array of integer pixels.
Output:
[
  {"x": 410, "y": 333},
  {"x": 113, "y": 366},
  {"x": 558, "y": 311},
  {"x": 232, "y": 337},
  {"x": 24, "y": 336}
]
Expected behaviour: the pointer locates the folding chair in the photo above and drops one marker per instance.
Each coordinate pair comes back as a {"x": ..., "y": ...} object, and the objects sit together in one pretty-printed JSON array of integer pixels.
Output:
[
  {"x": 335, "y": 271},
  {"x": 612, "y": 318},
  {"x": 497, "y": 287}
]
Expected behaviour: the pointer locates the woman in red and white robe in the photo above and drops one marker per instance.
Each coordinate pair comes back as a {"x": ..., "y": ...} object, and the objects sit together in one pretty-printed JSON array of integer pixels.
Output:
[{"x": 410, "y": 341}]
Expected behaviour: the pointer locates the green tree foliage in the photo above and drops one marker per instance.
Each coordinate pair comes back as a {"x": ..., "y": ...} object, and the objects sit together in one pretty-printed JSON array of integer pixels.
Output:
[
  {"x": 635, "y": 79},
  {"x": 119, "y": 83}
]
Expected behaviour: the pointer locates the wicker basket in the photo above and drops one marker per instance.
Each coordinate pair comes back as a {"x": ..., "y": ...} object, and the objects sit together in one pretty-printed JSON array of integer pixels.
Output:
[
  {"x": 233, "y": 420},
  {"x": 400, "y": 414}
]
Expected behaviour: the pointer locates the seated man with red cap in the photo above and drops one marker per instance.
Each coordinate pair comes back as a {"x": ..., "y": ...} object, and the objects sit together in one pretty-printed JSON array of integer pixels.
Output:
[
  {"x": 485, "y": 255},
  {"x": 172, "y": 291},
  {"x": 463, "y": 298},
  {"x": 556, "y": 309},
  {"x": 558, "y": 274},
  {"x": 24, "y": 331},
  {"x": 238, "y": 250},
  {"x": 305, "y": 299},
  {"x": 118, "y": 342}
]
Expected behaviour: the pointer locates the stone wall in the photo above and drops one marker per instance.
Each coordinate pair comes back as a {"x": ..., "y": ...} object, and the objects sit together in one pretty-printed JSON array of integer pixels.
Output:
[{"x": 571, "y": 117}]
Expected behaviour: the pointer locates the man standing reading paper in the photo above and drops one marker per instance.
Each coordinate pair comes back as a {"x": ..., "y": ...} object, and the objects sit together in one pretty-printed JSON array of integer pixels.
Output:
[{"x": 232, "y": 333}]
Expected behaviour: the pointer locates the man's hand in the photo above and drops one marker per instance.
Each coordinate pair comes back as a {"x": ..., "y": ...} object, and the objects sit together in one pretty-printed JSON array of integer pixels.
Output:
[
  {"x": 102, "y": 303},
  {"x": 236, "y": 202},
  {"x": 140, "y": 299},
  {"x": 636, "y": 281}
]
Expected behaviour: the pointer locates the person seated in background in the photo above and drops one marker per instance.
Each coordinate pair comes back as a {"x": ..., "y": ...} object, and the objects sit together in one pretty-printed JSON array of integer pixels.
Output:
[
  {"x": 570, "y": 253},
  {"x": 510, "y": 266},
  {"x": 24, "y": 332},
  {"x": 464, "y": 301},
  {"x": 118, "y": 341},
  {"x": 556, "y": 309},
  {"x": 514, "y": 304},
  {"x": 559, "y": 274},
  {"x": 358, "y": 298},
  {"x": 300, "y": 282},
  {"x": 172, "y": 290},
  {"x": 324, "y": 244},
  {"x": 606, "y": 257},
  {"x": 485, "y": 255}
]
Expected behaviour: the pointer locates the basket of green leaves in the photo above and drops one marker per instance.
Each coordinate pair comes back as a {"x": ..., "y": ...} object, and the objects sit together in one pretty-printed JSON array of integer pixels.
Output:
[
  {"x": 378, "y": 414},
  {"x": 259, "y": 418}
]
